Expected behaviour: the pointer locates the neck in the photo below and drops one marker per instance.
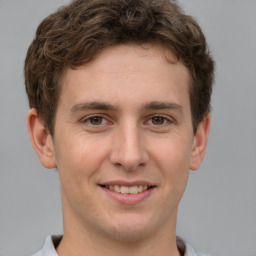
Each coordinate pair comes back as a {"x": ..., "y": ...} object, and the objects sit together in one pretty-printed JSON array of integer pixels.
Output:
[
  {"x": 81, "y": 240},
  {"x": 85, "y": 242},
  {"x": 90, "y": 246}
]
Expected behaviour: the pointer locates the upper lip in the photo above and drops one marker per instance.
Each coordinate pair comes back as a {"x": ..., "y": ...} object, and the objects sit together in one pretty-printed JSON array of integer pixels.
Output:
[{"x": 127, "y": 183}]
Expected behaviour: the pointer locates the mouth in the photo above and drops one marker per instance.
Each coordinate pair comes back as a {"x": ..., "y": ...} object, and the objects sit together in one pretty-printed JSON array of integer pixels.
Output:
[
  {"x": 128, "y": 189},
  {"x": 128, "y": 193}
]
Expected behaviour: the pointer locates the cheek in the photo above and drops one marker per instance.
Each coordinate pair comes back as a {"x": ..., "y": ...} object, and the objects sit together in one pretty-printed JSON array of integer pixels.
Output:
[
  {"x": 174, "y": 153},
  {"x": 173, "y": 159},
  {"x": 80, "y": 157},
  {"x": 77, "y": 162}
]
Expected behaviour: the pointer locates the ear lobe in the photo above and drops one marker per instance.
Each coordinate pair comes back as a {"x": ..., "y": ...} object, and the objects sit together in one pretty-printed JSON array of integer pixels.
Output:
[
  {"x": 41, "y": 140},
  {"x": 200, "y": 142}
]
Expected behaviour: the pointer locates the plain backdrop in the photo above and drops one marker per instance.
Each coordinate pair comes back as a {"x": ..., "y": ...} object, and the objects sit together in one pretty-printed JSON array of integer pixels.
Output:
[{"x": 218, "y": 211}]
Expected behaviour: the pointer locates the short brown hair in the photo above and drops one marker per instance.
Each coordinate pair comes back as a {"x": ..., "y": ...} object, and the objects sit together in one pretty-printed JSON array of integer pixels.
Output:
[{"x": 74, "y": 34}]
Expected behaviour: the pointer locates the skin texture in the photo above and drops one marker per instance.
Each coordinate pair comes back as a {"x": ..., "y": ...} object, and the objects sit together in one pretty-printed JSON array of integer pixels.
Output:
[{"x": 122, "y": 118}]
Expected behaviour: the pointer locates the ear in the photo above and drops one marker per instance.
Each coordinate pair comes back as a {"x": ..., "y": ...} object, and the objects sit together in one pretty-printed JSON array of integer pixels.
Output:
[
  {"x": 200, "y": 142},
  {"x": 41, "y": 140}
]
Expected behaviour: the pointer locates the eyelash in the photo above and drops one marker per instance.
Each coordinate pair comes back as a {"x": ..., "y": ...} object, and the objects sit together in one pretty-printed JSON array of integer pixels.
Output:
[
  {"x": 166, "y": 120},
  {"x": 89, "y": 119}
]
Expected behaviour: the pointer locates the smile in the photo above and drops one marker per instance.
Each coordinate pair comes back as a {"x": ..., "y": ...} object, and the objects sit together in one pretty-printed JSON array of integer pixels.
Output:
[
  {"x": 128, "y": 193},
  {"x": 128, "y": 189}
]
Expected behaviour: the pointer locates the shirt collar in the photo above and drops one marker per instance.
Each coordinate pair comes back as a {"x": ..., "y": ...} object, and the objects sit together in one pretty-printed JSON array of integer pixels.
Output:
[
  {"x": 49, "y": 247},
  {"x": 52, "y": 242}
]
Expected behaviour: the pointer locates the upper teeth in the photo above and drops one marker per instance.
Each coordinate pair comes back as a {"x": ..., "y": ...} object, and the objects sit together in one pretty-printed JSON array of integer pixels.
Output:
[{"x": 128, "y": 190}]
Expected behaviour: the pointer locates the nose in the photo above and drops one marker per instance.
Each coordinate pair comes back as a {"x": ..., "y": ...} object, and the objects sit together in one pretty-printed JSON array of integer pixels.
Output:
[{"x": 129, "y": 148}]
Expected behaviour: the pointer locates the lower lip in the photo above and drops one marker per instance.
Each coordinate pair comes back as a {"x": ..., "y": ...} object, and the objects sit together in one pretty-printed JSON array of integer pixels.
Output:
[{"x": 129, "y": 198}]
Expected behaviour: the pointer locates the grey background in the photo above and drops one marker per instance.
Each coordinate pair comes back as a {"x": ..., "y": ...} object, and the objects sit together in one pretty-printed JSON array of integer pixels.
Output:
[{"x": 218, "y": 211}]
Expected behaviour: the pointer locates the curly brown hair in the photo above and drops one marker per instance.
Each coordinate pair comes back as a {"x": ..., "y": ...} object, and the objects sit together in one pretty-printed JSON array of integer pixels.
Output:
[{"x": 74, "y": 34}]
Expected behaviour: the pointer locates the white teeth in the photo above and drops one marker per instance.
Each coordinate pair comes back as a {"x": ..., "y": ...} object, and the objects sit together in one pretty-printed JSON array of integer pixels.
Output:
[
  {"x": 117, "y": 188},
  {"x": 134, "y": 190},
  {"x": 127, "y": 190}
]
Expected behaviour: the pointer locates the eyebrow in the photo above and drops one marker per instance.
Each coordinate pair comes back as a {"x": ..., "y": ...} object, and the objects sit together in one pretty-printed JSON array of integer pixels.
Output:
[
  {"x": 158, "y": 105},
  {"x": 91, "y": 105},
  {"x": 97, "y": 105}
]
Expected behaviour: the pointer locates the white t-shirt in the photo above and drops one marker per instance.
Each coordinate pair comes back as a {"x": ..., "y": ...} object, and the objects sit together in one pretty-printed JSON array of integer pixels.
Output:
[{"x": 49, "y": 248}]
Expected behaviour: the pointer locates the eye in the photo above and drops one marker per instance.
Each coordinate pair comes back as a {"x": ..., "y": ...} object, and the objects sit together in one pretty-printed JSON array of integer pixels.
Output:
[
  {"x": 95, "y": 120},
  {"x": 158, "y": 120}
]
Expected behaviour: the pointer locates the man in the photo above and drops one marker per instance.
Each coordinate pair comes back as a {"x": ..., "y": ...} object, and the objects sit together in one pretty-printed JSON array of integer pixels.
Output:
[{"x": 119, "y": 92}]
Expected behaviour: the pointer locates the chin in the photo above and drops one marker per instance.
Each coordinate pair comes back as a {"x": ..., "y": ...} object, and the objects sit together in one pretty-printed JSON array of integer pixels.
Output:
[
  {"x": 130, "y": 230},
  {"x": 131, "y": 235}
]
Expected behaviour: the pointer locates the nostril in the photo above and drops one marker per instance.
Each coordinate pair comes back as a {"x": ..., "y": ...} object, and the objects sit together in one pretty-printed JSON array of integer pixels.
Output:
[{"x": 128, "y": 151}]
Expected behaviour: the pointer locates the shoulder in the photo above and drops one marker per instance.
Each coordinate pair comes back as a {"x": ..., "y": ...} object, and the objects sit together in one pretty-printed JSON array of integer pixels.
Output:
[{"x": 190, "y": 252}]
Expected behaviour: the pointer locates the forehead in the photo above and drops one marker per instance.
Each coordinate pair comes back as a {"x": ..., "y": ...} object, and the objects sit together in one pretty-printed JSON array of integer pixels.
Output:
[
  {"x": 130, "y": 55},
  {"x": 136, "y": 72}
]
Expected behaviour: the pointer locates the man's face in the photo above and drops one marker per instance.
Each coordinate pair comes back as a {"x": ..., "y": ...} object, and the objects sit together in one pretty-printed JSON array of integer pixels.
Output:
[{"x": 123, "y": 142}]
